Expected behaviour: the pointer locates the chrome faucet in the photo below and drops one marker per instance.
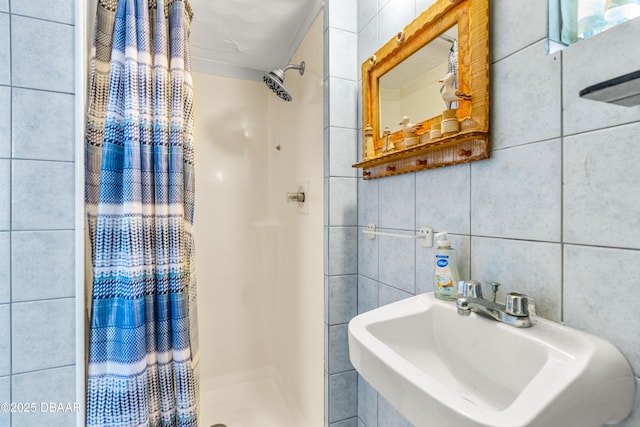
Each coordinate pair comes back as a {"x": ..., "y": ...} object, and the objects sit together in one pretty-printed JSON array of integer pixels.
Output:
[{"x": 514, "y": 312}]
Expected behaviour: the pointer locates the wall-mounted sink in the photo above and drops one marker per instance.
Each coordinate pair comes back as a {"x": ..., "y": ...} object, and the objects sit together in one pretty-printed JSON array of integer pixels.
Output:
[{"x": 441, "y": 369}]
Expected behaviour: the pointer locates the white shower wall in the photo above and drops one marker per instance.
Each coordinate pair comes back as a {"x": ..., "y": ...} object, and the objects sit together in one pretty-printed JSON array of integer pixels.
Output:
[{"x": 259, "y": 261}]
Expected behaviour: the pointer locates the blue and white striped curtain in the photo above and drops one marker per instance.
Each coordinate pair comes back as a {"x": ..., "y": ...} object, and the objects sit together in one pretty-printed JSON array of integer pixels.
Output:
[{"x": 143, "y": 355}]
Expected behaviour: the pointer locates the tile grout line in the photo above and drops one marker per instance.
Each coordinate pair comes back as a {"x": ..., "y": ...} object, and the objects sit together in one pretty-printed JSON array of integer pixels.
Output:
[
  {"x": 10, "y": 206},
  {"x": 562, "y": 260}
]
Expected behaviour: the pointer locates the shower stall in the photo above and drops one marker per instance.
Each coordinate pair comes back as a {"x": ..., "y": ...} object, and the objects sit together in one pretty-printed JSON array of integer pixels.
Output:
[{"x": 259, "y": 259}]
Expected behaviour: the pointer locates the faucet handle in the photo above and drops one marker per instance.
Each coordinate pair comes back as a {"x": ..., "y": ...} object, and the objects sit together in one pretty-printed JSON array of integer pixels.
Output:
[
  {"x": 517, "y": 304},
  {"x": 469, "y": 289}
]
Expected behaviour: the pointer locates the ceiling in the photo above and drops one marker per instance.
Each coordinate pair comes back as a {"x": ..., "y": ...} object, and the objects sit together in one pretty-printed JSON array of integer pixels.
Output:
[{"x": 245, "y": 38}]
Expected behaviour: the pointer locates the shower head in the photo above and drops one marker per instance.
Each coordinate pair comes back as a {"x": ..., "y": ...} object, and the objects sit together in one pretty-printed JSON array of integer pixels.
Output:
[{"x": 275, "y": 80}]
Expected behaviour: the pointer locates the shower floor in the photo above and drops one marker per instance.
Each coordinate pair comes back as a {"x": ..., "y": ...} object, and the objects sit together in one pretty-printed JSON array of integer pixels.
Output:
[{"x": 254, "y": 401}]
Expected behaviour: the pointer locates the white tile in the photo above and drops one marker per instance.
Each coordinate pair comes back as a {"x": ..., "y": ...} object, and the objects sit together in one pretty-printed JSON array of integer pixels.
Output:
[
  {"x": 367, "y": 10},
  {"x": 343, "y": 14},
  {"x": 525, "y": 97},
  {"x": 5, "y": 343},
  {"x": 42, "y": 54},
  {"x": 600, "y": 293},
  {"x": 5, "y": 267},
  {"x": 5, "y": 121},
  {"x": 425, "y": 262},
  {"x": 532, "y": 268},
  {"x": 55, "y": 10},
  {"x": 343, "y": 201},
  {"x": 397, "y": 202},
  {"x": 43, "y": 265},
  {"x": 398, "y": 262},
  {"x": 442, "y": 199},
  {"x": 601, "y": 193},
  {"x": 368, "y": 41},
  {"x": 422, "y": 5},
  {"x": 517, "y": 193},
  {"x": 43, "y": 125},
  {"x": 5, "y": 194},
  {"x": 343, "y": 53},
  {"x": 43, "y": 334},
  {"x": 342, "y": 152},
  {"x": 600, "y": 58},
  {"x": 39, "y": 184},
  {"x": 368, "y": 201},
  {"x": 511, "y": 28},
  {"x": 5, "y": 50},
  {"x": 52, "y": 385},
  {"x": 342, "y": 98},
  {"x": 394, "y": 16}
]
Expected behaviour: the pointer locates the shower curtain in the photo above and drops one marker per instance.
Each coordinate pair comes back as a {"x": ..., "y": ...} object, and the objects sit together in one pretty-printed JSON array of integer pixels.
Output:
[{"x": 143, "y": 356}]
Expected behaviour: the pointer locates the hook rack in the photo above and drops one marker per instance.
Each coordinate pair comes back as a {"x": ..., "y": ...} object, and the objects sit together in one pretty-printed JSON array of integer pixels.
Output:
[{"x": 425, "y": 234}]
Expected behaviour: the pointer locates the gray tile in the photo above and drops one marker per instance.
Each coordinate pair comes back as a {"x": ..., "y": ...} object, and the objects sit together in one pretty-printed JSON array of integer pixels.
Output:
[
  {"x": 5, "y": 396},
  {"x": 43, "y": 265},
  {"x": 596, "y": 286},
  {"x": 511, "y": 28},
  {"x": 326, "y": 196},
  {"x": 343, "y": 298},
  {"x": 367, "y": 42},
  {"x": 425, "y": 262},
  {"x": 367, "y": 403},
  {"x": 389, "y": 416},
  {"x": 367, "y": 294},
  {"x": 342, "y": 152},
  {"x": 442, "y": 199},
  {"x": 4, "y": 5},
  {"x": 397, "y": 202},
  {"x": 5, "y": 267},
  {"x": 43, "y": 334},
  {"x": 43, "y": 125},
  {"x": 368, "y": 201},
  {"x": 5, "y": 121},
  {"x": 326, "y": 52},
  {"x": 326, "y": 298},
  {"x": 343, "y": 96},
  {"x": 343, "y": 201},
  {"x": 39, "y": 184},
  {"x": 5, "y": 194},
  {"x": 367, "y": 255},
  {"x": 326, "y": 105},
  {"x": 343, "y": 14},
  {"x": 525, "y": 97},
  {"x": 367, "y": 10},
  {"x": 338, "y": 350},
  {"x": 343, "y": 250},
  {"x": 326, "y": 147},
  {"x": 533, "y": 268},
  {"x": 343, "y": 54},
  {"x": 517, "y": 193},
  {"x": 52, "y": 385},
  {"x": 343, "y": 396},
  {"x": 398, "y": 262},
  {"x": 601, "y": 202},
  {"x": 325, "y": 245},
  {"x": 43, "y": 54},
  {"x": 351, "y": 422},
  {"x": 5, "y": 50},
  {"x": 605, "y": 57},
  {"x": 360, "y": 423},
  {"x": 394, "y": 16},
  {"x": 5, "y": 342},
  {"x": 326, "y": 348},
  {"x": 388, "y": 294},
  {"x": 56, "y": 10}
]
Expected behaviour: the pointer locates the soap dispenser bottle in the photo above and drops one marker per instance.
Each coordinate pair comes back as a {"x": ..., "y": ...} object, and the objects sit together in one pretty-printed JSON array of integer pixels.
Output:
[{"x": 445, "y": 269}]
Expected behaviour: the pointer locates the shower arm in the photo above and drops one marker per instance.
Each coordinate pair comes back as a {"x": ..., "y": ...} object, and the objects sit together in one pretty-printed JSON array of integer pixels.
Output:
[{"x": 295, "y": 67}]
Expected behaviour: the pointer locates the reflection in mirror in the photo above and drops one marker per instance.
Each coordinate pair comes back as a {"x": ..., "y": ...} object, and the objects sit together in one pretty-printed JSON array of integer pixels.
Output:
[{"x": 412, "y": 88}]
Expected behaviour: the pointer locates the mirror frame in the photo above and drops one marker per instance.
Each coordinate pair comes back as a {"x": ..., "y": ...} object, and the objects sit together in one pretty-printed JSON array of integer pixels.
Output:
[{"x": 472, "y": 141}]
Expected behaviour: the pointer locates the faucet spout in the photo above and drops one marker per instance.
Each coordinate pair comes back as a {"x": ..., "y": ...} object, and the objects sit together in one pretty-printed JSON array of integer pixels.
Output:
[{"x": 513, "y": 313}]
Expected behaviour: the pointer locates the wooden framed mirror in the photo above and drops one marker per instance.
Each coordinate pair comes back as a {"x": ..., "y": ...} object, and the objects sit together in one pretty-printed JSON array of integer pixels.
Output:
[{"x": 406, "y": 123}]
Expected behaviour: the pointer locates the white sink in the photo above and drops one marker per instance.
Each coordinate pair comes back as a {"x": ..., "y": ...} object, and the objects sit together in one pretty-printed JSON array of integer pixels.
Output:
[{"x": 441, "y": 369}]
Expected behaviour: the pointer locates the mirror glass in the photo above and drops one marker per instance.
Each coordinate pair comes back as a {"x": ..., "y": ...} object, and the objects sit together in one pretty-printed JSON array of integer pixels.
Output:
[{"x": 412, "y": 88}]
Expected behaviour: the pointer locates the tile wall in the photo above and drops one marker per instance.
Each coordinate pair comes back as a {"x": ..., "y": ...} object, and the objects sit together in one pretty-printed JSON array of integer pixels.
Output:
[
  {"x": 554, "y": 211},
  {"x": 37, "y": 313}
]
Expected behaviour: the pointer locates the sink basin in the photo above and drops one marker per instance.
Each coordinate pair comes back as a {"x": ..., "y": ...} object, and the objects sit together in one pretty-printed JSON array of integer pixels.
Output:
[{"x": 441, "y": 369}]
